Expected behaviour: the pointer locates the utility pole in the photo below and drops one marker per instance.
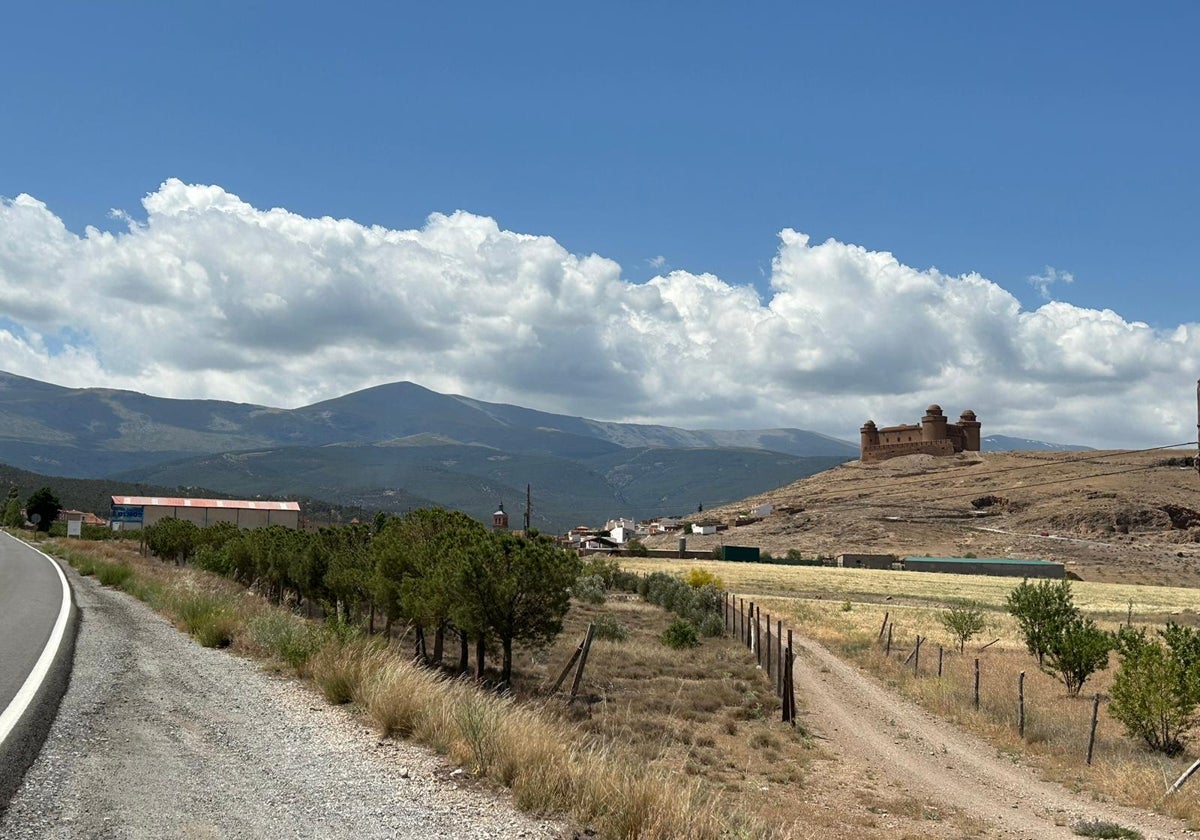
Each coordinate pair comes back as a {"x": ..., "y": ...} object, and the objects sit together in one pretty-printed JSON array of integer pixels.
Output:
[
  {"x": 1198, "y": 426},
  {"x": 529, "y": 494}
]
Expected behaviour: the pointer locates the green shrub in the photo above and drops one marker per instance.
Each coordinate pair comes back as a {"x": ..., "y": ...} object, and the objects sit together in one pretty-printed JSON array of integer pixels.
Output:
[
  {"x": 1042, "y": 610},
  {"x": 589, "y": 589},
  {"x": 286, "y": 637},
  {"x": 84, "y": 565},
  {"x": 712, "y": 625},
  {"x": 964, "y": 623},
  {"x": 680, "y": 634},
  {"x": 606, "y": 567},
  {"x": 210, "y": 618},
  {"x": 113, "y": 574},
  {"x": 609, "y": 629},
  {"x": 1105, "y": 830},
  {"x": 1078, "y": 651},
  {"x": 636, "y": 548},
  {"x": 1156, "y": 689}
]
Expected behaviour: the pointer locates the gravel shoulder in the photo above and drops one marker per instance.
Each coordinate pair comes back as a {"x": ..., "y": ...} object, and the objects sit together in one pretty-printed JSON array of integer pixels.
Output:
[
  {"x": 864, "y": 725},
  {"x": 157, "y": 737}
]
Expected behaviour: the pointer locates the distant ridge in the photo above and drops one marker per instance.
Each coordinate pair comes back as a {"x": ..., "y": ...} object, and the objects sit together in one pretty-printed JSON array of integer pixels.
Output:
[
  {"x": 1004, "y": 443},
  {"x": 392, "y": 446}
]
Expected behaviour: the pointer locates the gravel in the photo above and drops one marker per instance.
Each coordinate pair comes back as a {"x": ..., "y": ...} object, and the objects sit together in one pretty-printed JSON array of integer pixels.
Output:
[{"x": 158, "y": 737}]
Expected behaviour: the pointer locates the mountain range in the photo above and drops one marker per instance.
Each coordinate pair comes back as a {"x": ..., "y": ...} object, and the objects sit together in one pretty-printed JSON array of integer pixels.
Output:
[{"x": 398, "y": 446}]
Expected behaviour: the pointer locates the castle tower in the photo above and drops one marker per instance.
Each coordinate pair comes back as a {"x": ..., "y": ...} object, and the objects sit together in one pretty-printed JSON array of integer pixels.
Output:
[
  {"x": 970, "y": 427},
  {"x": 500, "y": 519},
  {"x": 933, "y": 424},
  {"x": 869, "y": 435}
]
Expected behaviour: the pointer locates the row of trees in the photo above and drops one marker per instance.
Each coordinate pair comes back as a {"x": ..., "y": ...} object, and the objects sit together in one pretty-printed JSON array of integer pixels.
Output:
[
  {"x": 437, "y": 572},
  {"x": 1156, "y": 687}
]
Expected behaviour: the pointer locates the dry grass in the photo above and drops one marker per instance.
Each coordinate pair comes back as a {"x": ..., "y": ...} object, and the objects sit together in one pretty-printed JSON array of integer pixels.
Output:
[
  {"x": 1057, "y": 726},
  {"x": 554, "y": 762}
]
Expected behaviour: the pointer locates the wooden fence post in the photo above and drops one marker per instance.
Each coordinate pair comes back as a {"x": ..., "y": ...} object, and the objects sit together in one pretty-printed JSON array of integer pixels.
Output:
[
  {"x": 883, "y": 626},
  {"x": 888, "y": 652},
  {"x": 1021, "y": 705},
  {"x": 570, "y": 664},
  {"x": 587, "y": 645},
  {"x": 789, "y": 694},
  {"x": 768, "y": 645},
  {"x": 1092, "y": 733},
  {"x": 939, "y": 661},
  {"x": 758, "y": 636},
  {"x": 750, "y": 630},
  {"x": 779, "y": 657},
  {"x": 976, "y": 682}
]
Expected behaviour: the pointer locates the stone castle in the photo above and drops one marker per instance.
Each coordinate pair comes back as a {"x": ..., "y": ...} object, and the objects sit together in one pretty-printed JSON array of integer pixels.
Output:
[{"x": 934, "y": 436}]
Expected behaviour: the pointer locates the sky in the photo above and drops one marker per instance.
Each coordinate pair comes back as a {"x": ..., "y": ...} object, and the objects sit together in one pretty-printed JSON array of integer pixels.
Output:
[{"x": 700, "y": 214}]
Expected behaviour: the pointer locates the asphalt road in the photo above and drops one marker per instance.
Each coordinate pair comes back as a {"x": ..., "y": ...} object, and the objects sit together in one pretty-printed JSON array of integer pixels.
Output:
[{"x": 36, "y": 636}]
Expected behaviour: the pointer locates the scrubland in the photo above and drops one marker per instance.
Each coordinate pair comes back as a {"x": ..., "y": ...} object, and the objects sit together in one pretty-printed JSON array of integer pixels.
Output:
[{"x": 845, "y": 609}]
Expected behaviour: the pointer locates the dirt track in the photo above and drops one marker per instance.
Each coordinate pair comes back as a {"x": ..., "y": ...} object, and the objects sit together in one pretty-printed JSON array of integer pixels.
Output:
[{"x": 879, "y": 734}]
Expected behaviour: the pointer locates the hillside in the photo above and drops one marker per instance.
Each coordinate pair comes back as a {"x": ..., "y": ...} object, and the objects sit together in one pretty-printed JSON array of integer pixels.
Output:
[
  {"x": 1110, "y": 516},
  {"x": 632, "y": 482},
  {"x": 397, "y": 446}
]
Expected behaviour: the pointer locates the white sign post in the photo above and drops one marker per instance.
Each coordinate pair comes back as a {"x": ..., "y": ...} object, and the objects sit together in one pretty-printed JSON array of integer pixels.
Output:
[{"x": 75, "y": 528}]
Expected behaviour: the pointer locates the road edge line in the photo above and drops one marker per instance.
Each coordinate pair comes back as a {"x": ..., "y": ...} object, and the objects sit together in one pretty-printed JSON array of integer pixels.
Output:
[{"x": 24, "y": 697}]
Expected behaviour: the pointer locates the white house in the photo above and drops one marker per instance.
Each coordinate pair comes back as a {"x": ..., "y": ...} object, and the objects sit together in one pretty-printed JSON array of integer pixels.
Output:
[
  {"x": 703, "y": 530},
  {"x": 622, "y": 534}
]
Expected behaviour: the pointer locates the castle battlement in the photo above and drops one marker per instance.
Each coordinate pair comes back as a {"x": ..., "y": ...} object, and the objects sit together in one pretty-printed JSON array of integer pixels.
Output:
[{"x": 934, "y": 436}]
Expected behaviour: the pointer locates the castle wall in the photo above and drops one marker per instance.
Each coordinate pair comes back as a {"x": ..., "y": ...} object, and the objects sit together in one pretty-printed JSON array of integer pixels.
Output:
[
  {"x": 917, "y": 447},
  {"x": 892, "y": 435}
]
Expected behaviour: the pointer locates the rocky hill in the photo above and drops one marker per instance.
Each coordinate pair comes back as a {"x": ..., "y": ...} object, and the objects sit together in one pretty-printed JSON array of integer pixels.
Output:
[{"x": 1110, "y": 516}]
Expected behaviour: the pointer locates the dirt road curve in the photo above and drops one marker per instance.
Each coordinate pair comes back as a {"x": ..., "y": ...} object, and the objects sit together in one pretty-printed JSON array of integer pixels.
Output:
[
  {"x": 868, "y": 726},
  {"x": 158, "y": 737}
]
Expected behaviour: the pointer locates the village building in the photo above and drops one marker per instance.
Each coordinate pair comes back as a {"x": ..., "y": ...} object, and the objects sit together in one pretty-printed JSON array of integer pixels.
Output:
[{"x": 934, "y": 436}]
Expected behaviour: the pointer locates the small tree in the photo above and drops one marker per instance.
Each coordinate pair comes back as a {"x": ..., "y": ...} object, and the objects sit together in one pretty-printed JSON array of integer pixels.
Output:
[
  {"x": 514, "y": 589},
  {"x": 1042, "y": 610},
  {"x": 1079, "y": 650},
  {"x": 12, "y": 509},
  {"x": 964, "y": 623},
  {"x": 1156, "y": 690},
  {"x": 44, "y": 505}
]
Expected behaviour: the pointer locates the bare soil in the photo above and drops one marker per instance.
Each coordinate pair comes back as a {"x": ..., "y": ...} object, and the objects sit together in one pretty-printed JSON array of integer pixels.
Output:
[
  {"x": 896, "y": 752},
  {"x": 1131, "y": 517}
]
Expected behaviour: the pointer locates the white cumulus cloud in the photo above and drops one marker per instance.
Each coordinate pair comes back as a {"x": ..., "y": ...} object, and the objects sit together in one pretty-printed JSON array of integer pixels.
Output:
[{"x": 212, "y": 297}]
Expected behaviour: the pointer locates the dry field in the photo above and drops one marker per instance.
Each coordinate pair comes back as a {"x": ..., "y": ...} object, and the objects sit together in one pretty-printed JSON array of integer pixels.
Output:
[
  {"x": 710, "y": 715},
  {"x": 844, "y": 609},
  {"x": 1102, "y": 513}
]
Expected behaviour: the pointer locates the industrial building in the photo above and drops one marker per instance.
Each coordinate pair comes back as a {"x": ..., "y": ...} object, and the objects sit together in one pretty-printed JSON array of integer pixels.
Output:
[
  {"x": 130, "y": 512},
  {"x": 1001, "y": 566}
]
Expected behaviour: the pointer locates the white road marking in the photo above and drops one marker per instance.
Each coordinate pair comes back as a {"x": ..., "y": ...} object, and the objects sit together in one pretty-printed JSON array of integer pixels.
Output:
[{"x": 20, "y": 702}]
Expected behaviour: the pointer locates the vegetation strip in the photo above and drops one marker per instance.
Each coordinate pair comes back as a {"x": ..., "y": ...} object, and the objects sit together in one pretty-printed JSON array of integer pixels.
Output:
[{"x": 550, "y": 768}]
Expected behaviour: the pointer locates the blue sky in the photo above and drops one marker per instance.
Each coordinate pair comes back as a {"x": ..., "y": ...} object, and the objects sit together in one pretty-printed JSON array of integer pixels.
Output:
[{"x": 1011, "y": 141}]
